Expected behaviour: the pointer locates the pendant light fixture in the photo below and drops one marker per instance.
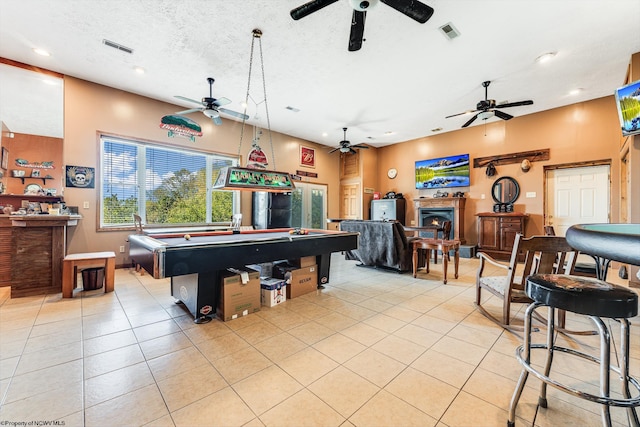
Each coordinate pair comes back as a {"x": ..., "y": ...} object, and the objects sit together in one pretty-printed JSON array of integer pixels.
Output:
[{"x": 254, "y": 177}]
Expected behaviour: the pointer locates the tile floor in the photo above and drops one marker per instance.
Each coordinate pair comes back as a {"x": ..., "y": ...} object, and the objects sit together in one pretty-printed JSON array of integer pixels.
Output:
[{"x": 374, "y": 348}]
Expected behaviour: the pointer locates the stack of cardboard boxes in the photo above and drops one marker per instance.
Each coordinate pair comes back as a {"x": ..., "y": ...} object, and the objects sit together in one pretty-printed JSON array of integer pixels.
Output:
[{"x": 267, "y": 284}]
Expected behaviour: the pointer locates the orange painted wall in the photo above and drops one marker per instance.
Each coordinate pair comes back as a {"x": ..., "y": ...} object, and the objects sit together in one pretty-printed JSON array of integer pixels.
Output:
[
  {"x": 90, "y": 108},
  {"x": 585, "y": 131},
  {"x": 34, "y": 148}
]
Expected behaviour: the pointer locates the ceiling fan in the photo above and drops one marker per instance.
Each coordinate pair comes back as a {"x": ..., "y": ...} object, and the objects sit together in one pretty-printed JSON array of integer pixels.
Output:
[
  {"x": 345, "y": 146},
  {"x": 211, "y": 106},
  {"x": 487, "y": 108},
  {"x": 412, "y": 8}
]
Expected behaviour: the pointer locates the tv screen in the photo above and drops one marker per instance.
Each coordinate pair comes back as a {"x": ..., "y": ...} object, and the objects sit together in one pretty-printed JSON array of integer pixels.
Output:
[
  {"x": 444, "y": 172},
  {"x": 628, "y": 102}
]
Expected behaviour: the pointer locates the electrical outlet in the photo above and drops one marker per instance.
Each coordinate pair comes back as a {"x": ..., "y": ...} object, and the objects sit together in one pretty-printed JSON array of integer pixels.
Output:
[
  {"x": 121, "y": 249},
  {"x": 85, "y": 205},
  {"x": 482, "y": 196},
  {"x": 531, "y": 194}
]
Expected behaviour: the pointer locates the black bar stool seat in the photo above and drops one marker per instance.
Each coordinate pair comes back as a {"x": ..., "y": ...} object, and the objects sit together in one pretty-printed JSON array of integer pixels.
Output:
[
  {"x": 597, "y": 299},
  {"x": 583, "y": 295}
]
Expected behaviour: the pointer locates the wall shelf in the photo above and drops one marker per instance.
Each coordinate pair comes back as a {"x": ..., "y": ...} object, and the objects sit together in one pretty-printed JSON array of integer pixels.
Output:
[{"x": 43, "y": 178}]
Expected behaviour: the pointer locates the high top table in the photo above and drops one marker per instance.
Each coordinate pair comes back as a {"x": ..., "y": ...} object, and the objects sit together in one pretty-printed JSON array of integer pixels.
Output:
[{"x": 606, "y": 243}]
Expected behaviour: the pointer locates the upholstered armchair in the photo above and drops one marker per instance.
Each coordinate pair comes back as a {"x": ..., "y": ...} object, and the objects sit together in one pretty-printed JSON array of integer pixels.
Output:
[{"x": 381, "y": 244}]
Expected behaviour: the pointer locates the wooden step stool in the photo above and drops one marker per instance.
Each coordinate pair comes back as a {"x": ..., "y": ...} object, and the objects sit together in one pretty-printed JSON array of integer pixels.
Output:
[{"x": 71, "y": 263}]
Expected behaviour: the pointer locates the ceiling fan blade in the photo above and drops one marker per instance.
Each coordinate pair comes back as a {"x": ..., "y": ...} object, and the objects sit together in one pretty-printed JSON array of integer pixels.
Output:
[
  {"x": 217, "y": 120},
  {"x": 471, "y": 120},
  {"x": 352, "y": 151},
  {"x": 188, "y": 99},
  {"x": 309, "y": 8},
  {"x": 233, "y": 113},
  {"x": 503, "y": 116},
  {"x": 333, "y": 150},
  {"x": 412, "y": 8},
  {"x": 360, "y": 146},
  {"x": 221, "y": 101},
  {"x": 460, "y": 114},
  {"x": 515, "y": 104},
  {"x": 193, "y": 110},
  {"x": 357, "y": 30}
]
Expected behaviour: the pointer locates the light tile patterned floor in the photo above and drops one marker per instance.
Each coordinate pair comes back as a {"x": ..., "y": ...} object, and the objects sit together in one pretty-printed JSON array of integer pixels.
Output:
[{"x": 374, "y": 348}]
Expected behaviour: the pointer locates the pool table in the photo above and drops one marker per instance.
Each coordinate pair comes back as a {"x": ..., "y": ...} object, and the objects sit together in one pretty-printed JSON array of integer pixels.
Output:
[{"x": 195, "y": 264}]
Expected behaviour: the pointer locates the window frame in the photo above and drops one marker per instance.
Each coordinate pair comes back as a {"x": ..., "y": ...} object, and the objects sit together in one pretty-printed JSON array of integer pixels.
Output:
[{"x": 141, "y": 146}]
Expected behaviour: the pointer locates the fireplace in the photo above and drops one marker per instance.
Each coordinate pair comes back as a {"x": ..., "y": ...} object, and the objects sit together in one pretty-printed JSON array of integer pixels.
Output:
[
  {"x": 445, "y": 208},
  {"x": 437, "y": 216}
]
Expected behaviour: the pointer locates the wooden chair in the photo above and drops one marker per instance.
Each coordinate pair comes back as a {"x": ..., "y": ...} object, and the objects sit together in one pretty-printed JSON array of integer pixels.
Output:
[
  {"x": 542, "y": 254},
  {"x": 586, "y": 269},
  {"x": 137, "y": 221}
]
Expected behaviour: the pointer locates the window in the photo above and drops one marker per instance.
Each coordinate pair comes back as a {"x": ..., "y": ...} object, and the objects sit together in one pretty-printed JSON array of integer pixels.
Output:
[{"x": 163, "y": 185}]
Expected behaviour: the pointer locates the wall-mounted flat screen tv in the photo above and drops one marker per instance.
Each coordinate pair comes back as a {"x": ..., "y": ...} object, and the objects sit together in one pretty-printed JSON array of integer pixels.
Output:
[
  {"x": 628, "y": 102},
  {"x": 444, "y": 172}
]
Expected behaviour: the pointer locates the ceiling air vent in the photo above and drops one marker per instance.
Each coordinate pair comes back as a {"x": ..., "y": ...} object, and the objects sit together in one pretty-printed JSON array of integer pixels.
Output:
[
  {"x": 117, "y": 46},
  {"x": 449, "y": 31}
]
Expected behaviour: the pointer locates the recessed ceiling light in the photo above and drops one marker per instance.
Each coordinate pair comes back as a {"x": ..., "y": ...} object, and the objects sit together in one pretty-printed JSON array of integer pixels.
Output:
[
  {"x": 139, "y": 70},
  {"x": 325, "y": 134},
  {"x": 294, "y": 109},
  {"x": 545, "y": 57},
  {"x": 576, "y": 91},
  {"x": 436, "y": 129},
  {"x": 389, "y": 133},
  {"x": 41, "y": 52}
]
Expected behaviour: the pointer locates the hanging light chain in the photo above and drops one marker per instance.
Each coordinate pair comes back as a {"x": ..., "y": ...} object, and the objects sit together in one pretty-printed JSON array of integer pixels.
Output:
[
  {"x": 257, "y": 34},
  {"x": 246, "y": 99},
  {"x": 266, "y": 106}
]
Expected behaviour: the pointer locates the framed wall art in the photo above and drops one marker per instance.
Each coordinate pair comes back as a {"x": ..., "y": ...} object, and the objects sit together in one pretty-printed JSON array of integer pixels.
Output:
[
  {"x": 80, "y": 176},
  {"x": 307, "y": 157}
]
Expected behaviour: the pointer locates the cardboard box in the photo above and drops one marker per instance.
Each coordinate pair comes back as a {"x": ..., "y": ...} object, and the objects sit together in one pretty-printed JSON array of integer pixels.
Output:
[
  {"x": 273, "y": 291},
  {"x": 265, "y": 269},
  {"x": 306, "y": 261},
  {"x": 238, "y": 299},
  {"x": 300, "y": 281}
]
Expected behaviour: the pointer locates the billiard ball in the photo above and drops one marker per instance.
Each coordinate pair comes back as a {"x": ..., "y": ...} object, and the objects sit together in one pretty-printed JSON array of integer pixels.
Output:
[{"x": 187, "y": 237}]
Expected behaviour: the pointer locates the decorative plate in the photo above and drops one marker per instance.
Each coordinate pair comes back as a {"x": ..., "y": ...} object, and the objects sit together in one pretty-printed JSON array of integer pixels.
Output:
[{"x": 32, "y": 189}]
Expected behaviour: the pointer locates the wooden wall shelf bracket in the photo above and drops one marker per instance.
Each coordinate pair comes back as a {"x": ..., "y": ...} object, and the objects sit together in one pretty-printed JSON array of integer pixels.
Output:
[{"x": 505, "y": 159}]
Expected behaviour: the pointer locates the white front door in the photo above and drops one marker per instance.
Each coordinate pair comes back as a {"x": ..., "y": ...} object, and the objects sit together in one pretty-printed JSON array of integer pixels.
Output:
[{"x": 577, "y": 196}]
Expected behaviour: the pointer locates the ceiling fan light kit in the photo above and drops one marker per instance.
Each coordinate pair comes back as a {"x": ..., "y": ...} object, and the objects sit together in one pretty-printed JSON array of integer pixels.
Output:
[
  {"x": 345, "y": 146},
  {"x": 211, "y": 107},
  {"x": 414, "y": 9},
  {"x": 488, "y": 108}
]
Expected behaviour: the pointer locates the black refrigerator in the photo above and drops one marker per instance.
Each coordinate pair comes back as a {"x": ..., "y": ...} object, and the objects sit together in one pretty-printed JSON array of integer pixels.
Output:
[{"x": 271, "y": 210}]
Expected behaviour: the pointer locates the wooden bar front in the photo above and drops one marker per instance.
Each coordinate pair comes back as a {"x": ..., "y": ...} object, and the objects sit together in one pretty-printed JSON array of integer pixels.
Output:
[{"x": 37, "y": 250}]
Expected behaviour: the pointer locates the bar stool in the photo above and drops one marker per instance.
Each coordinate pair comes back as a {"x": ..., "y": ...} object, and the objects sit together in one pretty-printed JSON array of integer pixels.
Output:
[{"x": 596, "y": 299}]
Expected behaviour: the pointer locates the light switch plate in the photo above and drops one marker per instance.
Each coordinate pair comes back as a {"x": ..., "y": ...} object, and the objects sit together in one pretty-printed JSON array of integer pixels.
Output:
[
  {"x": 85, "y": 205},
  {"x": 531, "y": 194}
]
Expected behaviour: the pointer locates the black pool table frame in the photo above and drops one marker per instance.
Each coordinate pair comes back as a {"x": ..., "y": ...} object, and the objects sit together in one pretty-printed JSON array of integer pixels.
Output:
[{"x": 195, "y": 265}]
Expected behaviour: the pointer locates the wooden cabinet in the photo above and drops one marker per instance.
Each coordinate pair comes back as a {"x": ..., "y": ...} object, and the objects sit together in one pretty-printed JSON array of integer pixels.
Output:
[{"x": 497, "y": 232}]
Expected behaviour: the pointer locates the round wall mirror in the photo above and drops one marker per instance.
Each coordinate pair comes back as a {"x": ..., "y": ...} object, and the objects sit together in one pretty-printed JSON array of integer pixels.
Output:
[{"x": 505, "y": 190}]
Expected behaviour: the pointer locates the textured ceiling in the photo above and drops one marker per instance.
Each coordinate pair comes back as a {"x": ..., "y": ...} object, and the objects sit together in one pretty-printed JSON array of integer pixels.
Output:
[{"x": 406, "y": 78}]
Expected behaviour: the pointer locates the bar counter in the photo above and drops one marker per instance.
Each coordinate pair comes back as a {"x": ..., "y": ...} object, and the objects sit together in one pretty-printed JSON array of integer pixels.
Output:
[{"x": 31, "y": 251}]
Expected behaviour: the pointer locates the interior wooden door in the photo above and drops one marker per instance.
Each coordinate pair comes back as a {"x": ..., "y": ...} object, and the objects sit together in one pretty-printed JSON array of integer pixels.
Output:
[{"x": 350, "y": 201}]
